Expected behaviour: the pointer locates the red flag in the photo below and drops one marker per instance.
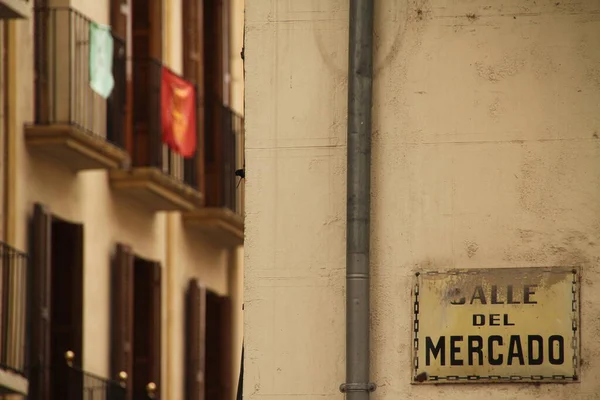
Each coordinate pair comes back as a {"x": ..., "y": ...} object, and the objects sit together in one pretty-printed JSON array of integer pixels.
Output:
[{"x": 178, "y": 113}]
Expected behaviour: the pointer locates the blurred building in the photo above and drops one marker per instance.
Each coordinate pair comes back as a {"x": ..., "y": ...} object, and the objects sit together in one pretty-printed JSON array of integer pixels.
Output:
[{"x": 121, "y": 254}]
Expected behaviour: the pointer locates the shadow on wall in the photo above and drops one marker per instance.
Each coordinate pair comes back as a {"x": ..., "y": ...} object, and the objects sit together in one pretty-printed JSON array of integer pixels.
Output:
[
  {"x": 213, "y": 261},
  {"x": 50, "y": 182},
  {"x": 132, "y": 220}
]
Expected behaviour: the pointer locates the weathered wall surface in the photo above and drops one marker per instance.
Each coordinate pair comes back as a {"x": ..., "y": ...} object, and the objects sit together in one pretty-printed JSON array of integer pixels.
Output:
[{"x": 485, "y": 154}]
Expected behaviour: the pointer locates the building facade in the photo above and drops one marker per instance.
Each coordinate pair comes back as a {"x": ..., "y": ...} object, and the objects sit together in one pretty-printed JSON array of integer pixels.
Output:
[
  {"x": 484, "y": 155},
  {"x": 122, "y": 260}
]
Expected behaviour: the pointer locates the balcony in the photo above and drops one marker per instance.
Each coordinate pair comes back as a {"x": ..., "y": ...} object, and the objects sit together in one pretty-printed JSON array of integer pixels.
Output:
[
  {"x": 73, "y": 124},
  {"x": 66, "y": 381},
  {"x": 15, "y": 9},
  {"x": 222, "y": 216},
  {"x": 13, "y": 292},
  {"x": 159, "y": 177}
]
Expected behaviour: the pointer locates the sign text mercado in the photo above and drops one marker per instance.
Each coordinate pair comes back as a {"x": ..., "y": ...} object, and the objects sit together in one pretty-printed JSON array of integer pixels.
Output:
[{"x": 496, "y": 325}]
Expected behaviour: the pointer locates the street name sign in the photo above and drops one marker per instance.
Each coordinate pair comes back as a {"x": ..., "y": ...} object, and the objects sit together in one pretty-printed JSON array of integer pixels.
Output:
[{"x": 496, "y": 325}]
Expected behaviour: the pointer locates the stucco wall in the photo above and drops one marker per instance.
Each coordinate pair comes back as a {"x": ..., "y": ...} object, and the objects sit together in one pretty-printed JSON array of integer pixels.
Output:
[
  {"x": 485, "y": 154},
  {"x": 236, "y": 64},
  {"x": 109, "y": 217}
]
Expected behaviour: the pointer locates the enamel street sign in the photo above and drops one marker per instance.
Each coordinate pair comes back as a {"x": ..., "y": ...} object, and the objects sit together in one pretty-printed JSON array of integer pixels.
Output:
[{"x": 496, "y": 325}]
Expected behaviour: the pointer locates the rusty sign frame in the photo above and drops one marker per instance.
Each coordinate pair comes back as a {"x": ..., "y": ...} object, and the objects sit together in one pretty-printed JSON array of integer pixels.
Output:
[{"x": 421, "y": 378}]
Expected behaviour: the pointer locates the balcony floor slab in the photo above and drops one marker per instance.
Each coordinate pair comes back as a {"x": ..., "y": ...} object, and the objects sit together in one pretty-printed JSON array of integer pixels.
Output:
[
  {"x": 220, "y": 223},
  {"x": 155, "y": 189},
  {"x": 74, "y": 147}
]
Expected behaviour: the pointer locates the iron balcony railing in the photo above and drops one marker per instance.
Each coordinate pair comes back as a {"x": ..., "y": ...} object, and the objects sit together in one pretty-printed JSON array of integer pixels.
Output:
[
  {"x": 224, "y": 151},
  {"x": 13, "y": 296},
  {"x": 93, "y": 387},
  {"x": 63, "y": 95},
  {"x": 233, "y": 158},
  {"x": 148, "y": 149},
  {"x": 66, "y": 381}
]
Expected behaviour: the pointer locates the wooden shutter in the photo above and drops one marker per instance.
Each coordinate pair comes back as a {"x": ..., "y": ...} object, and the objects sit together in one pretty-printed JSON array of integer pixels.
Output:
[
  {"x": 226, "y": 32},
  {"x": 67, "y": 285},
  {"x": 219, "y": 374},
  {"x": 156, "y": 316},
  {"x": 193, "y": 70},
  {"x": 39, "y": 352},
  {"x": 77, "y": 261},
  {"x": 226, "y": 345},
  {"x": 120, "y": 17},
  {"x": 192, "y": 26},
  {"x": 213, "y": 81},
  {"x": 122, "y": 315},
  {"x": 41, "y": 18},
  {"x": 213, "y": 356},
  {"x": 67, "y": 306},
  {"x": 195, "y": 320},
  {"x": 213, "y": 48}
]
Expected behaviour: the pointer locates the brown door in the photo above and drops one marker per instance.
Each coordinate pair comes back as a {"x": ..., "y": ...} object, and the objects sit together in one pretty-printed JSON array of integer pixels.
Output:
[
  {"x": 218, "y": 347},
  {"x": 146, "y": 46},
  {"x": 39, "y": 304},
  {"x": 193, "y": 70},
  {"x": 67, "y": 308},
  {"x": 225, "y": 32},
  {"x": 195, "y": 329},
  {"x": 146, "y": 327},
  {"x": 226, "y": 342},
  {"x": 41, "y": 76},
  {"x": 122, "y": 315},
  {"x": 213, "y": 86},
  {"x": 56, "y": 305},
  {"x": 120, "y": 17}
]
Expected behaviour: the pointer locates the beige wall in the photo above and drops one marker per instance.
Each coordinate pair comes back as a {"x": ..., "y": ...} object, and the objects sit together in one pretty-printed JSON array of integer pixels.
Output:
[
  {"x": 236, "y": 64},
  {"x": 109, "y": 218},
  {"x": 484, "y": 137}
]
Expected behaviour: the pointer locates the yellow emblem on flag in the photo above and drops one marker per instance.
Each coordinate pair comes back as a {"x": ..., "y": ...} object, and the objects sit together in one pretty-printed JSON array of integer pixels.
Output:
[{"x": 180, "y": 117}]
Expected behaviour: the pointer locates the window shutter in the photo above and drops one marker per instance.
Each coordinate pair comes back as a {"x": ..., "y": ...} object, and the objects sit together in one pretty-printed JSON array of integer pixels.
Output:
[
  {"x": 41, "y": 76},
  {"x": 39, "y": 352},
  {"x": 192, "y": 47},
  {"x": 122, "y": 315},
  {"x": 192, "y": 22},
  {"x": 226, "y": 344},
  {"x": 194, "y": 347},
  {"x": 156, "y": 325},
  {"x": 213, "y": 92},
  {"x": 67, "y": 306},
  {"x": 76, "y": 236},
  {"x": 225, "y": 40},
  {"x": 120, "y": 18}
]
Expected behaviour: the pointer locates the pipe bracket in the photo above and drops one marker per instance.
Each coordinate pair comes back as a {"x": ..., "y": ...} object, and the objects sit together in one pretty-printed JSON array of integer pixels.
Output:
[{"x": 358, "y": 387}]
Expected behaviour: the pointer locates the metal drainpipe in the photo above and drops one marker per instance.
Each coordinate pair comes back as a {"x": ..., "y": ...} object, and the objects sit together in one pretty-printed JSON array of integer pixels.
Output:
[{"x": 360, "y": 84}]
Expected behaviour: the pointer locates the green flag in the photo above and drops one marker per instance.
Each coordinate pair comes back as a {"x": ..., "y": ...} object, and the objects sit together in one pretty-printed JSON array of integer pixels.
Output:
[{"x": 101, "y": 59}]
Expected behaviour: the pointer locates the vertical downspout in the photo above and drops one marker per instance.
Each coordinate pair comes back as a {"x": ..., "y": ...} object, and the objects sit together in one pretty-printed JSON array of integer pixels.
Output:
[{"x": 360, "y": 84}]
